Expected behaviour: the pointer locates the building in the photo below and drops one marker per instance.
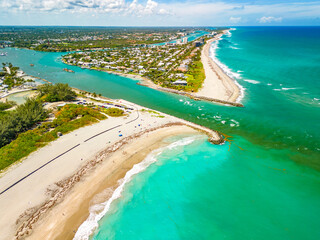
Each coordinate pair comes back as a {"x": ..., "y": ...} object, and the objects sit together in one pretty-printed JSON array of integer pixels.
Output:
[
  {"x": 185, "y": 40},
  {"x": 183, "y": 68},
  {"x": 180, "y": 83}
]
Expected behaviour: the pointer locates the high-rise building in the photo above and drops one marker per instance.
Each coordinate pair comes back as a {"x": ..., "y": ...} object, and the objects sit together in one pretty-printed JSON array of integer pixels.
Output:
[{"x": 185, "y": 40}]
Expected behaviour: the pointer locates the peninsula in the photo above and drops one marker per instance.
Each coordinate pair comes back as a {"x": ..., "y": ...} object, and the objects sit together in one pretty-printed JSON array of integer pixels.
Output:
[{"x": 180, "y": 67}]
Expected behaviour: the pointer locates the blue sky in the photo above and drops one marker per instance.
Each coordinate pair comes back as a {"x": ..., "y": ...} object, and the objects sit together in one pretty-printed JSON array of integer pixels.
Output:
[{"x": 160, "y": 12}]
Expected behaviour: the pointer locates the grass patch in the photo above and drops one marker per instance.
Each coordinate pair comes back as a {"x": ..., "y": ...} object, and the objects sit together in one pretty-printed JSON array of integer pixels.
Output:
[
  {"x": 114, "y": 112},
  {"x": 196, "y": 76}
]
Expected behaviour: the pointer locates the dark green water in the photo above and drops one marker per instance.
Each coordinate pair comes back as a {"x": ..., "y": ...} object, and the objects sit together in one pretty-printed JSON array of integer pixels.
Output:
[{"x": 270, "y": 188}]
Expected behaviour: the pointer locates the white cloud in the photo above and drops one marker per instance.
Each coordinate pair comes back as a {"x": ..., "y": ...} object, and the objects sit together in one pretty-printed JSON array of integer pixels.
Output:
[
  {"x": 163, "y": 11},
  {"x": 178, "y": 12},
  {"x": 110, "y": 6},
  {"x": 235, "y": 19},
  {"x": 150, "y": 7},
  {"x": 270, "y": 19}
]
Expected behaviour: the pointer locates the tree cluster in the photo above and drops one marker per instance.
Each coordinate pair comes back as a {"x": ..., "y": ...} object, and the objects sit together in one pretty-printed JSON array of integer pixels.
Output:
[
  {"x": 56, "y": 92},
  {"x": 20, "y": 120}
]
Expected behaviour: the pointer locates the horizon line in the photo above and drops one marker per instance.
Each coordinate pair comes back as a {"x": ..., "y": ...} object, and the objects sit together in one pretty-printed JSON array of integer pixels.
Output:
[{"x": 220, "y": 26}]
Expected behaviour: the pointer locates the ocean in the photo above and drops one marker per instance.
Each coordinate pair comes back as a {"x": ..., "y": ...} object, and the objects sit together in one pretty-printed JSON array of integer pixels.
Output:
[{"x": 263, "y": 183}]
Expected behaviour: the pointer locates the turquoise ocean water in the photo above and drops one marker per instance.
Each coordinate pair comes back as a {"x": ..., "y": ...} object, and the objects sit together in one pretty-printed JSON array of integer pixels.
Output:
[{"x": 264, "y": 184}]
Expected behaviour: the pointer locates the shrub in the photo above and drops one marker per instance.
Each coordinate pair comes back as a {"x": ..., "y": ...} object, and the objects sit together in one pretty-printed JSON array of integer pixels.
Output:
[
  {"x": 20, "y": 120},
  {"x": 6, "y": 105},
  {"x": 56, "y": 92},
  {"x": 114, "y": 112}
]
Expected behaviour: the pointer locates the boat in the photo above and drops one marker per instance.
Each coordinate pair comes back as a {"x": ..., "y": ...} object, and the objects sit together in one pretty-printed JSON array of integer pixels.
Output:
[
  {"x": 3, "y": 54},
  {"x": 31, "y": 65},
  {"x": 68, "y": 70}
]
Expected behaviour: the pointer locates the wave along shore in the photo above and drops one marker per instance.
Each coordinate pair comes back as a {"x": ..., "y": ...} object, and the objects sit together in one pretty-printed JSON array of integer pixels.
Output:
[
  {"x": 217, "y": 84},
  {"x": 87, "y": 161},
  {"x": 91, "y": 198}
]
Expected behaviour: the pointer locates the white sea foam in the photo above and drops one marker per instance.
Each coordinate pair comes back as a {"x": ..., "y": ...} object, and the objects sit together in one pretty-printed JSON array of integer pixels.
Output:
[
  {"x": 286, "y": 89},
  {"x": 251, "y": 81},
  {"x": 234, "y": 123},
  {"x": 229, "y": 34},
  {"x": 99, "y": 210},
  {"x": 234, "y": 47},
  {"x": 225, "y": 69}
]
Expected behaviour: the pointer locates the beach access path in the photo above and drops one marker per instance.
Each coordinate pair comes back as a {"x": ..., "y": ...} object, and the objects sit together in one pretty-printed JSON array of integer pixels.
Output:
[{"x": 27, "y": 185}]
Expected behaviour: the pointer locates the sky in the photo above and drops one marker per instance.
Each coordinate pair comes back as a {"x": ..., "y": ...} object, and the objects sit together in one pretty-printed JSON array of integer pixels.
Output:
[{"x": 160, "y": 12}]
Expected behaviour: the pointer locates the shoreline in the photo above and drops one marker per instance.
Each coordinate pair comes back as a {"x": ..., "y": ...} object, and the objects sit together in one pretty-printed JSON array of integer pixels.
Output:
[
  {"x": 143, "y": 81},
  {"x": 34, "y": 198},
  {"x": 217, "y": 83},
  {"x": 98, "y": 187}
]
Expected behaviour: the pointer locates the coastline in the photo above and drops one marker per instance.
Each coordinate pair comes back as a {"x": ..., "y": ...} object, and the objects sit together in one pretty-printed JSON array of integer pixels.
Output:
[
  {"x": 64, "y": 220},
  {"x": 217, "y": 87},
  {"x": 45, "y": 190},
  {"x": 217, "y": 83},
  {"x": 143, "y": 81}
]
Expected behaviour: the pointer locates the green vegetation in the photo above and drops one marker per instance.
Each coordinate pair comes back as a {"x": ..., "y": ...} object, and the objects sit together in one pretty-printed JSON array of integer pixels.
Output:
[
  {"x": 176, "y": 66},
  {"x": 20, "y": 120},
  {"x": 25, "y": 116},
  {"x": 56, "y": 92},
  {"x": 195, "y": 75},
  {"x": 68, "y": 118},
  {"x": 61, "y": 39},
  {"x": 114, "y": 112},
  {"x": 9, "y": 76},
  {"x": 149, "y": 111},
  {"x": 6, "y": 105},
  {"x": 156, "y": 114}
]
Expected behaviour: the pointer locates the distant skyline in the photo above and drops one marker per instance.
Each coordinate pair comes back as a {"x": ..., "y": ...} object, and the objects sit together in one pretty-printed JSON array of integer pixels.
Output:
[{"x": 160, "y": 12}]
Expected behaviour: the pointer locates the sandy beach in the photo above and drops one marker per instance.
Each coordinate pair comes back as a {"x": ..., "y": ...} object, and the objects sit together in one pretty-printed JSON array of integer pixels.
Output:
[
  {"x": 48, "y": 194},
  {"x": 64, "y": 220},
  {"x": 217, "y": 83},
  {"x": 217, "y": 86}
]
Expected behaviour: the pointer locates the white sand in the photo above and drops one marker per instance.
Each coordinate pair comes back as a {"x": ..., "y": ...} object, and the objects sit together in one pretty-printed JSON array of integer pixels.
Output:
[
  {"x": 217, "y": 84},
  {"x": 33, "y": 190}
]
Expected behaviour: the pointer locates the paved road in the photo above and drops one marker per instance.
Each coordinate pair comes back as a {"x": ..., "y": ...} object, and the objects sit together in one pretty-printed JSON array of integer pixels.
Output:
[{"x": 67, "y": 151}]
